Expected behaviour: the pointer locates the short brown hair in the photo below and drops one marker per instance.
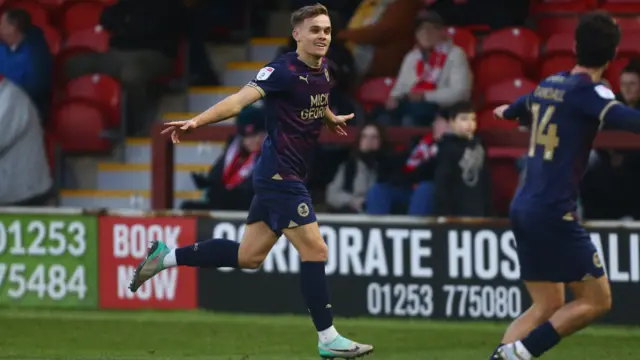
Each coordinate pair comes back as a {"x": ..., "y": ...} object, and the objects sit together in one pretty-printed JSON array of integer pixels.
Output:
[{"x": 308, "y": 12}]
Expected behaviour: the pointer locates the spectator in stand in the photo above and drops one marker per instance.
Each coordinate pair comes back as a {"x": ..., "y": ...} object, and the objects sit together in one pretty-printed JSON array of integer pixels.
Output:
[
  {"x": 434, "y": 75},
  {"x": 145, "y": 37},
  {"x": 25, "y": 177},
  {"x": 610, "y": 186},
  {"x": 355, "y": 177},
  {"x": 405, "y": 180},
  {"x": 462, "y": 175},
  {"x": 25, "y": 58},
  {"x": 379, "y": 35},
  {"x": 228, "y": 185}
]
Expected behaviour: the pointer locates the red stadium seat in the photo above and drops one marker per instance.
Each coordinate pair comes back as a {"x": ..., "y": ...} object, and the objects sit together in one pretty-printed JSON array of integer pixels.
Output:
[
  {"x": 622, "y": 7},
  {"x": 519, "y": 42},
  {"x": 81, "y": 15},
  {"x": 53, "y": 39},
  {"x": 555, "y": 63},
  {"x": 487, "y": 121},
  {"x": 560, "y": 43},
  {"x": 101, "y": 89},
  {"x": 39, "y": 15},
  {"x": 507, "y": 91},
  {"x": 493, "y": 68},
  {"x": 78, "y": 124},
  {"x": 375, "y": 91},
  {"x": 628, "y": 23},
  {"x": 613, "y": 72},
  {"x": 629, "y": 46},
  {"x": 465, "y": 39},
  {"x": 95, "y": 38},
  {"x": 549, "y": 25},
  {"x": 561, "y": 6}
]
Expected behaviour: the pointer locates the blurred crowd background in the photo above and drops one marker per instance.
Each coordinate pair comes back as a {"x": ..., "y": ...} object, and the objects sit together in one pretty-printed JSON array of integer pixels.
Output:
[{"x": 83, "y": 81}]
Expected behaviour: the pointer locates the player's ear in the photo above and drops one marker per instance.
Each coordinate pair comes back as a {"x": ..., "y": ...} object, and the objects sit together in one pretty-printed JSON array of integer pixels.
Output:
[{"x": 295, "y": 34}]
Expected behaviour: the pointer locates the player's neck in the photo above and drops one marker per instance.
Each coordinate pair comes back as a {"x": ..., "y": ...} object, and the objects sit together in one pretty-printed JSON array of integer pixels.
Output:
[
  {"x": 310, "y": 60},
  {"x": 595, "y": 74}
]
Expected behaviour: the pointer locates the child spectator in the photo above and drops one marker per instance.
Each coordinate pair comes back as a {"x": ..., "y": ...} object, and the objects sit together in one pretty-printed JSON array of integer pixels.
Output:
[{"x": 462, "y": 177}]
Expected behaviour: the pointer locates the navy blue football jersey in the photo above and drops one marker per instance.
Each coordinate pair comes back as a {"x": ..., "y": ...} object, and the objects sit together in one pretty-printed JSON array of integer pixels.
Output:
[
  {"x": 296, "y": 97},
  {"x": 566, "y": 112}
]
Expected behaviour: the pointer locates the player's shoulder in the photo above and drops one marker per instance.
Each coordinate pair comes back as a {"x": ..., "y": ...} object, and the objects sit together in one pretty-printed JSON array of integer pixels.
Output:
[
  {"x": 280, "y": 67},
  {"x": 577, "y": 84}
]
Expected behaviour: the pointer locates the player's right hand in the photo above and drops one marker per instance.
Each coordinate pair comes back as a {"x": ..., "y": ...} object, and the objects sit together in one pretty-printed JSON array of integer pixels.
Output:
[
  {"x": 178, "y": 127},
  {"x": 498, "y": 112}
]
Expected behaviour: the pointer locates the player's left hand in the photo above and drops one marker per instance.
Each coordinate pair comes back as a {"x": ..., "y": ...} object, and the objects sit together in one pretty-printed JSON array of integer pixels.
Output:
[
  {"x": 178, "y": 127},
  {"x": 338, "y": 123},
  {"x": 498, "y": 112}
]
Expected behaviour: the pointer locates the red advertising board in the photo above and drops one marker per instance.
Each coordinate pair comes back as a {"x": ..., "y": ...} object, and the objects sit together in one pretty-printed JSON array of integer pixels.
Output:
[{"x": 123, "y": 244}]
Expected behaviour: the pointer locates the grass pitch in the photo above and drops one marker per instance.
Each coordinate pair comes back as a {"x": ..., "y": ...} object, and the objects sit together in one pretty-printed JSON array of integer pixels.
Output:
[{"x": 102, "y": 335}]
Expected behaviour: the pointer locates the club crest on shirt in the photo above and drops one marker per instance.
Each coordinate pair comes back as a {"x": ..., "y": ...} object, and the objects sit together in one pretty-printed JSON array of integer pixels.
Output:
[
  {"x": 326, "y": 74},
  {"x": 303, "y": 210},
  {"x": 264, "y": 73},
  {"x": 596, "y": 260}
]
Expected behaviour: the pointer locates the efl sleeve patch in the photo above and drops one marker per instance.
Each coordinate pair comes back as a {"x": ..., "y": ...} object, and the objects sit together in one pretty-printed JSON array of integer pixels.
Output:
[
  {"x": 264, "y": 73},
  {"x": 604, "y": 92}
]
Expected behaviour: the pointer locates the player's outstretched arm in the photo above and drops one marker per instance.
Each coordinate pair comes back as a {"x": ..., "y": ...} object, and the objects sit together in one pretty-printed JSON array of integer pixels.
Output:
[
  {"x": 225, "y": 109},
  {"x": 621, "y": 117},
  {"x": 516, "y": 110}
]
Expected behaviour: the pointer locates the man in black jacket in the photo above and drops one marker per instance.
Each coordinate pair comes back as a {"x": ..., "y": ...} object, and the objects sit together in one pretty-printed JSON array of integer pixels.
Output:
[{"x": 462, "y": 177}]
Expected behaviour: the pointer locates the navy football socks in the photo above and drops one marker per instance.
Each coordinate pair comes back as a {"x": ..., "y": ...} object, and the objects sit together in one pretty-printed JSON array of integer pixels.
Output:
[
  {"x": 209, "y": 254},
  {"x": 315, "y": 291},
  {"x": 541, "y": 339}
]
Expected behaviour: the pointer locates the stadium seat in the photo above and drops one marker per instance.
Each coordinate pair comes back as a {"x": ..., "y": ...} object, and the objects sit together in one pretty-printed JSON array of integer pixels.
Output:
[
  {"x": 554, "y": 63},
  {"x": 101, "y": 89},
  {"x": 629, "y": 46},
  {"x": 487, "y": 121},
  {"x": 559, "y": 43},
  {"x": 493, "y": 68},
  {"x": 95, "y": 38},
  {"x": 519, "y": 42},
  {"x": 628, "y": 23},
  {"x": 81, "y": 15},
  {"x": 549, "y": 25},
  {"x": 39, "y": 15},
  {"x": 613, "y": 72},
  {"x": 78, "y": 124},
  {"x": 621, "y": 7},
  {"x": 507, "y": 91},
  {"x": 375, "y": 92},
  {"x": 465, "y": 39},
  {"x": 53, "y": 39},
  {"x": 561, "y": 6}
]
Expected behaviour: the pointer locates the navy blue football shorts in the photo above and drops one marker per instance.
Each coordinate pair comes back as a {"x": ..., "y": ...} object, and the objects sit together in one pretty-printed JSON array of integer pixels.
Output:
[
  {"x": 553, "y": 247},
  {"x": 281, "y": 204}
]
